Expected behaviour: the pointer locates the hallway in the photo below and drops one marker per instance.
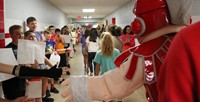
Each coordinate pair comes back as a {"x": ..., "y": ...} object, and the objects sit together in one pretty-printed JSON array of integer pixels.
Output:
[{"x": 77, "y": 69}]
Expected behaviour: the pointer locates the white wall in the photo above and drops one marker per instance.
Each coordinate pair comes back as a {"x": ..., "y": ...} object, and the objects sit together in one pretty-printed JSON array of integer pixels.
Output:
[
  {"x": 195, "y": 11},
  {"x": 17, "y": 11},
  {"x": 123, "y": 15}
]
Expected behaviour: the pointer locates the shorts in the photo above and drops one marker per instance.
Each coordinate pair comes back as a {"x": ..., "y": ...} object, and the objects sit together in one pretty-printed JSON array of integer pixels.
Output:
[{"x": 83, "y": 51}]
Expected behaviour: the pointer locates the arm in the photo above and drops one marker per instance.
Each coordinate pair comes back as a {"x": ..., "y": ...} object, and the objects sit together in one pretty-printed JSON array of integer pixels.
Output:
[
  {"x": 20, "y": 99},
  {"x": 48, "y": 62},
  {"x": 110, "y": 85},
  {"x": 23, "y": 71},
  {"x": 97, "y": 69}
]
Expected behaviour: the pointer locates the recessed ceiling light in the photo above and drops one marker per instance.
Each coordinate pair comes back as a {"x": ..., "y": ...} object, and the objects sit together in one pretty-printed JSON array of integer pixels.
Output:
[{"x": 88, "y": 10}]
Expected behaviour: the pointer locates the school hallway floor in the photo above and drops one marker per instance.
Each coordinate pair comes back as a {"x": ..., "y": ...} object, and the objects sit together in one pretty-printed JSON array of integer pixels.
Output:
[{"x": 77, "y": 68}]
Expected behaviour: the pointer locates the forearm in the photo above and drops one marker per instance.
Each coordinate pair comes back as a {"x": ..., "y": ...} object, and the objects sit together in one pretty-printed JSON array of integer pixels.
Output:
[
  {"x": 48, "y": 62},
  {"x": 97, "y": 69},
  {"x": 4, "y": 68}
]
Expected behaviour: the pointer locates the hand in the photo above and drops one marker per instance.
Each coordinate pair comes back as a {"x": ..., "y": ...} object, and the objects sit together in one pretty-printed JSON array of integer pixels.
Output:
[
  {"x": 67, "y": 93},
  {"x": 22, "y": 99}
]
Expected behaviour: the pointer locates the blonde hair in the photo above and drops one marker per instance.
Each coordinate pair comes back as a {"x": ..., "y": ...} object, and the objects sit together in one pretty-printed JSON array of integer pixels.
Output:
[{"x": 107, "y": 46}]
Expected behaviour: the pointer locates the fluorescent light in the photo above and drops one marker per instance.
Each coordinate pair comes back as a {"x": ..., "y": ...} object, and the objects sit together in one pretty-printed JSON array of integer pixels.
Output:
[
  {"x": 90, "y": 17},
  {"x": 85, "y": 17},
  {"x": 88, "y": 10}
]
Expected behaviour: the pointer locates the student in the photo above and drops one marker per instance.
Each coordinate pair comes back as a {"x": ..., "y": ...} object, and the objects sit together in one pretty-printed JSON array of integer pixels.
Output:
[
  {"x": 30, "y": 35},
  {"x": 92, "y": 46},
  {"x": 84, "y": 53},
  {"x": 11, "y": 92},
  {"x": 127, "y": 38},
  {"x": 106, "y": 55},
  {"x": 32, "y": 25},
  {"x": 65, "y": 31},
  {"x": 116, "y": 33}
]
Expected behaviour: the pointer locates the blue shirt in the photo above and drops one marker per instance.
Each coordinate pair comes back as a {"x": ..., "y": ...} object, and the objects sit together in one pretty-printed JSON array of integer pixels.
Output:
[
  {"x": 38, "y": 36},
  {"x": 50, "y": 46},
  {"x": 107, "y": 63}
]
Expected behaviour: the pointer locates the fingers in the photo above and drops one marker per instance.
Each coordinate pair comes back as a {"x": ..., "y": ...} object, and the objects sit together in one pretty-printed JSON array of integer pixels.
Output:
[
  {"x": 66, "y": 82},
  {"x": 66, "y": 93}
]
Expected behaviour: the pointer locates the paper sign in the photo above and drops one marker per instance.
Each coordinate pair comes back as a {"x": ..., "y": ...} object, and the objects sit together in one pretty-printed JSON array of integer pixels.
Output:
[
  {"x": 29, "y": 51},
  {"x": 67, "y": 38},
  {"x": 34, "y": 89},
  {"x": 7, "y": 57},
  {"x": 54, "y": 59}
]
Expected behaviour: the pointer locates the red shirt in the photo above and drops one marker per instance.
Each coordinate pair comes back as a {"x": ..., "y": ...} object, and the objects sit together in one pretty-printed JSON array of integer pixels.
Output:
[
  {"x": 179, "y": 79},
  {"x": 128, "y": 41}
]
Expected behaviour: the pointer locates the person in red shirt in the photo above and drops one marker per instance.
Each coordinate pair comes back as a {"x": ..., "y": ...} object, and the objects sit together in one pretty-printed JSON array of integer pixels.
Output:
[
  {"x": 179, "y": 79},
  {"x": 127, "y": 38}
]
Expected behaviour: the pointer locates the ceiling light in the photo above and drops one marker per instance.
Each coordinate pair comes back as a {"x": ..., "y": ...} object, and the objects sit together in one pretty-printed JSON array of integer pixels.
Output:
[
  {"x": 85, "y": 17},
  {"x": 90, "y": 17},
  {"x": 88, "y": 10}
]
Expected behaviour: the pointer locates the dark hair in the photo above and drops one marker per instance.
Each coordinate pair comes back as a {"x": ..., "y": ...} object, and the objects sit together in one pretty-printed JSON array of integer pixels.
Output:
[
  {"x": 115, "y": 30},
  {"x": 30, "y": 19},
  {"x": 28, "y": 33},
  {"x": 57, "y": 30},
  {"x": 14, "y": 27},
  {"x": 51, "y": 26},
  {"x": 47, "y": 32},
  {"x": 87, "y": 33},
  {"x": 93, "y": 35},
  {"x": 124, "y": 30}
]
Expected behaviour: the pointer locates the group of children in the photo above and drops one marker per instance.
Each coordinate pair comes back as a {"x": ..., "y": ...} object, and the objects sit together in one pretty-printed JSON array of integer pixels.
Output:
[{"x": 54, "y": 42}]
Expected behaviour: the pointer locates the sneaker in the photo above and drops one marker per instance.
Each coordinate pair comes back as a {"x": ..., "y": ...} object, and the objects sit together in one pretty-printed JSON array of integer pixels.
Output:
[
  {"x": 62, "y": 81},
  {"x": 54, "y": 90},
  {"x": 68, "y": 73},
  {"x": 45, "y": 99},
  {"x": 48, "y": 93}
]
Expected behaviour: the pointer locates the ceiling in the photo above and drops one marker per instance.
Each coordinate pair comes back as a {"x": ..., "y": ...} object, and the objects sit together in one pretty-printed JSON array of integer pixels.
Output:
[{"x": 73, "y": 8}]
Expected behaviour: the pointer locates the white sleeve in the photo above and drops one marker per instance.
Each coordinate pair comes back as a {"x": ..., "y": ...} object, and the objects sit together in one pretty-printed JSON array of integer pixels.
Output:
[{"x": 109, "y": 86}]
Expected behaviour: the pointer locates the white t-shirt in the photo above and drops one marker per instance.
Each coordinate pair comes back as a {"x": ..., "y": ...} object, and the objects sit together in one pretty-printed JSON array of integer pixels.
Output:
[{"x": 92, "y": 46}]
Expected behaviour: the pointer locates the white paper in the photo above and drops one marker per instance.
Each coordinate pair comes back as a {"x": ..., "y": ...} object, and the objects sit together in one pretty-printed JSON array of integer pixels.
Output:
[
  {"x": 54, "y": 59},
  {"x": 67, "y": 38},
  {"x": 29, "y": 51},
  {"x": 7, "y": 57},
  {"x": 34, "y": 89}
]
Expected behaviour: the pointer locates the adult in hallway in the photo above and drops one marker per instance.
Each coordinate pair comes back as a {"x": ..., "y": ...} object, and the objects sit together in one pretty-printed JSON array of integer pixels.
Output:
[{"x": 155, "y": 28}]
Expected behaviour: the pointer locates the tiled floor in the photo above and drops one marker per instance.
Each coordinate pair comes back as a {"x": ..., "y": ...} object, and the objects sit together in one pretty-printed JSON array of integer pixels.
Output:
[{"x": 77, "y": 69}]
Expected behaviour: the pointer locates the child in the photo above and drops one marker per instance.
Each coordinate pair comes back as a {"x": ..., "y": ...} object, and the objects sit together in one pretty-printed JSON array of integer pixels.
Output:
[
  {"x": 92, "y": 46},
  {"x": 106, "y": 55},
  {"x": 50, "y": 46},
  {"x": 83, "y": 42},
  {"x": 30, "y": 35}
]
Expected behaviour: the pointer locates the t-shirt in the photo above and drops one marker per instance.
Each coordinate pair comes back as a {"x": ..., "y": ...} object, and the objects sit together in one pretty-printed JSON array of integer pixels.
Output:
[
  {"x": 107, "y": 63},
  {"x": 14, "y": 87},
  {"x": 38, "y": 36},
  {"x": 92, "y": 46},
  {"x": 49, "y": 47}
]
